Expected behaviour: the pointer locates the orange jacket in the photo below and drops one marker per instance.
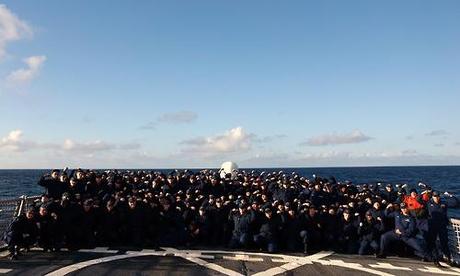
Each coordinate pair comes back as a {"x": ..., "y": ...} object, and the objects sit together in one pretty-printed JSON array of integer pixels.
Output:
[{"x": 413, "y": 203}]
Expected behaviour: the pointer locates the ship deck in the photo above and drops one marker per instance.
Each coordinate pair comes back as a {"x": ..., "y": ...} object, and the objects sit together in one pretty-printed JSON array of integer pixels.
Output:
[{"x": 171, "y": 261}]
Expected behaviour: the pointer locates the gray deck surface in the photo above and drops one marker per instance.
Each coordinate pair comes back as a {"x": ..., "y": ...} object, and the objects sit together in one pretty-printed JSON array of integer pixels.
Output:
[{"x": 170, "y": 261}]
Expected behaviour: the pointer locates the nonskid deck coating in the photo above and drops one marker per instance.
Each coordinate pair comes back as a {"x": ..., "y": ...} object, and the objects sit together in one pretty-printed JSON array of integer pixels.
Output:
[{"x": 171, "y": 261}]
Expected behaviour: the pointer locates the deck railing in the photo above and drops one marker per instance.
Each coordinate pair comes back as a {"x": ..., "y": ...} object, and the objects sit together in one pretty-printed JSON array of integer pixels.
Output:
[{"x": 11, "y": 208}]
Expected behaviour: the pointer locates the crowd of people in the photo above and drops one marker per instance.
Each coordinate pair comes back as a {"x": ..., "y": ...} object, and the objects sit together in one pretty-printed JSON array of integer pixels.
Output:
[{"x": 248, "y": 210}]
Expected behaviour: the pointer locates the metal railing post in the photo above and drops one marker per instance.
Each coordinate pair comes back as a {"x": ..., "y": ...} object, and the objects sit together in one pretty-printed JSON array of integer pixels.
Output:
[{"x": 20, "y": 207}]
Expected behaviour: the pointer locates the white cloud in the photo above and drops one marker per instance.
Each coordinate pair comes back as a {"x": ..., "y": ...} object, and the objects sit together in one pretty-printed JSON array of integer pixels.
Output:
[
  {"x": 344, "y": 158},
  {"x": 70, "y": 145},
  {"x": 233, "y": 140},
  {"x": 173, "y": 118},
  {"x": 355, "y": 136},
  {"x": 270, "y": 138},
  {"x": 96, "y": 146},
  {"x": 25, "y": 75},
  {"x": 181, "y": 117},
  {"x": 14, "y": 142},
  {"x": 11, "y": 29},
  {"x": 438, "y": 132}
]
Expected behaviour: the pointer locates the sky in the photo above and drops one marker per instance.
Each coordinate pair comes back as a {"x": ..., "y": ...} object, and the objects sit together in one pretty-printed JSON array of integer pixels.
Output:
[{"x": 191, "y": 84}]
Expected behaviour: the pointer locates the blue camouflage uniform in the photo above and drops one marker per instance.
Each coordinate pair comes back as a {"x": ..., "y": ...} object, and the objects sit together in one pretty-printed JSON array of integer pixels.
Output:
[
  {"x": 407, "y": 227},
  {"x": 437, "y": 227}
]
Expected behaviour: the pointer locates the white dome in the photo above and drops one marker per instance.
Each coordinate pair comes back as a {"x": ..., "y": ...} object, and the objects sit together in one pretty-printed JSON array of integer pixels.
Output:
[{"x": 228, "y": 167}]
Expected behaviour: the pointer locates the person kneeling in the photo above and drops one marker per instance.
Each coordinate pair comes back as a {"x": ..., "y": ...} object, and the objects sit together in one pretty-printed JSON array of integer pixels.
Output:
[
  {"x": 404, "y": 231},
  {"x": 269, "y": 232}
]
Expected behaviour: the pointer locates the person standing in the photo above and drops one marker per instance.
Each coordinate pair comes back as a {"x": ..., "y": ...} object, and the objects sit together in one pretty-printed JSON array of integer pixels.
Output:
[{"x": 437, "y": 227}]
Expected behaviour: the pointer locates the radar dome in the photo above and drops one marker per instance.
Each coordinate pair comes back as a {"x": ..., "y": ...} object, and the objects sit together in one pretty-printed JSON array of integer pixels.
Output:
[{"x": 228, "y": 167}]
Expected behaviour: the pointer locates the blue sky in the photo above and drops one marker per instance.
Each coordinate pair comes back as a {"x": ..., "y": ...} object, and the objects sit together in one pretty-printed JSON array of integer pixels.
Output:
[{"x": 263, "y": 83}]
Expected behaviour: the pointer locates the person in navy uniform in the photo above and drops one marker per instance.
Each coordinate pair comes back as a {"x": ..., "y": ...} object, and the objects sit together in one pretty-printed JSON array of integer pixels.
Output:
[
  {"x": 310, "y": 228},
  {"x": 389, "y": 194},
  {"x": 348, "y": 233},
  {"x": 405, "y": 231},
  {"x": 242, "y": 220},
  {"x": 437, "y": 227},
  {"x": 54, "y": 187},
  {"x": 369, "y": 232},
  {"x": 269, "y": 231}
]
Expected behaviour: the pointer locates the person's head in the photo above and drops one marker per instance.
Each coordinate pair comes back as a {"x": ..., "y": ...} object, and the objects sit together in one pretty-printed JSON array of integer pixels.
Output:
[
  {"x": 436, "y": 197},
  {"x": 332, "y": 212},
  {"x": 389, "y": 187},
  {"x": 264, "y": 197},
  {"x": 55, "y": 174},
  {"x": 312, "y": 211},
  {"x": 132, "y": 202},
  {"x": 404, "y": 209},
  {"x": 368, "y": 216},
  {"x": 73, "y": 182},
  {"x": 202, "y": 211},
  {"x": 110, "y": 205},
  {"x": 65, "y": 198},
  {"x": 63, "y": 178},
  {"x": 79, "y": 174},
  {"x": 281, "y": 207},
  {"x": 346, "y": 215},
  {"x": 166, "y": 204},
  {"x": 413, "y": 193},
  {"x": 43, "y": 211},
  {"x": 351, "y": 204},
  {"x": 211, "y": 200},
  {"x": 268, "y": 212},
  {"x": 87, "y": 205},
  {"x": 30, "y": 214},
  {"x": 368, "y": 200},
  {"x": 376, "y": 205}
]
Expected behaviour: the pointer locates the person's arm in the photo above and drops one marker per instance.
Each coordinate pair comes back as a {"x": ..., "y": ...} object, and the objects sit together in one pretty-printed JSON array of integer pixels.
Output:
[
  {"x": 388, "y": 212},
  {"x": 425, "y": 196},
  {"x": 43, "y": 181}
]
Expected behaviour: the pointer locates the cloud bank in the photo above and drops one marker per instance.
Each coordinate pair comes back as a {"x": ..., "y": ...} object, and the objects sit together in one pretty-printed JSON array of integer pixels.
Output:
[
  {"x": 236, "y": 144},
  {"x": 14, "y": 141},
  {"x": 353, "y": 137}
]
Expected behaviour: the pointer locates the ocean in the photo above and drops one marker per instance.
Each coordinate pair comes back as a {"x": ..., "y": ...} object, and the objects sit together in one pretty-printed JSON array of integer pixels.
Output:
[{"x": 14, "y": 183}]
